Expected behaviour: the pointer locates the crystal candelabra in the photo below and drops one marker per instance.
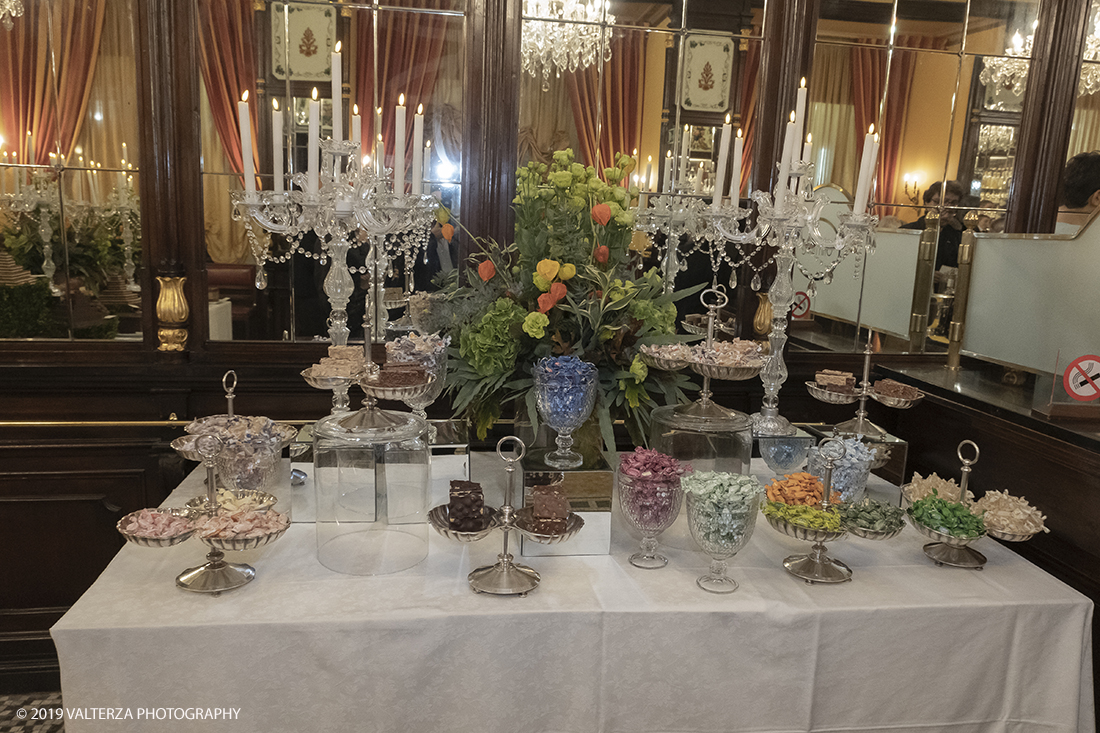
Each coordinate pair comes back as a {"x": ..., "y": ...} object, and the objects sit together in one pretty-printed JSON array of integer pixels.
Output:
[
  {"x": 124, "y": 204},
  {"x": 349, "y": 200},
  {"x": 788, "y": 223},
  {"x": 675, "y": 216},
  {"x": 40, "y": 195},
  {"x": 397, "y": 225}
]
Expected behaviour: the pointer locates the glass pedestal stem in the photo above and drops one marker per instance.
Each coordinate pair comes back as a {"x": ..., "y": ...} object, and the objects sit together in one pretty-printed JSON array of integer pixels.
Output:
[{"x": 338, "y": 287}]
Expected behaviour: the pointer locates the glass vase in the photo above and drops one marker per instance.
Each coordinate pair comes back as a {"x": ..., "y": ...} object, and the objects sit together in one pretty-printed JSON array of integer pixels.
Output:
[
  {"x": 565, "y": 400},
  {"x": 651, "y": 506},
  {"x": 721, "y": 530}
]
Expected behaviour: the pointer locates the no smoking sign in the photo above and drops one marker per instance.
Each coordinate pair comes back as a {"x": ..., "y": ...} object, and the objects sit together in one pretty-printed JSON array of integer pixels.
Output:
[{"x": 1082, "y": 378}]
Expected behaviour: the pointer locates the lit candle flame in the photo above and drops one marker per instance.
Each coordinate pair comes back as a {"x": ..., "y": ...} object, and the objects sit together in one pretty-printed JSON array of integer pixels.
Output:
[
  {"x": 244, "y": 96},
  {"x": 275, "y": 104},
  {"x": 401, "y": 100},
  {"x": 355, "y": 109},
  {"x": 338, "y": 44},
  {"x": 314, "y": 95}
]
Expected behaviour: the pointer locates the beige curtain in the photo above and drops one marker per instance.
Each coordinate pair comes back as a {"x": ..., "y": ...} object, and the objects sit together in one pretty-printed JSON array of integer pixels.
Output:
[
  {"x": 1084, "y": 137},
  {"x": 111, "y": 115},
  {"x": 226, "y": 240},
  {"x": 832, "y": 118},
  {"x": 545, "y": 120}
]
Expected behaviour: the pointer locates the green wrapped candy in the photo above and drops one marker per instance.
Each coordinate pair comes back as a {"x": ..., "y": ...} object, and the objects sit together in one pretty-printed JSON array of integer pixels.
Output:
[{"x": 804, "y": 516}]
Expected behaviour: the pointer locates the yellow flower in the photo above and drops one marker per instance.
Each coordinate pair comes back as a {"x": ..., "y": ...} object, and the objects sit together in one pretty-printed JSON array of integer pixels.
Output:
[
  {"x": 540, "y": 282},
  {"x": 548, "y": 269},
  {"x": 568, "y": 270}
]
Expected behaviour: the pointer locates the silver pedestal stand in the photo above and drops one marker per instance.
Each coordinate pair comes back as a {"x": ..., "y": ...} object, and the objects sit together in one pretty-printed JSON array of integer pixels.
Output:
[
  {"x": 860, "y": 425},
  {"x": 216, "y": 575},
  {"x": 816, "y": 566},
  {"x": 948, "y": 549},
  {"x": 505, "y": 577}
]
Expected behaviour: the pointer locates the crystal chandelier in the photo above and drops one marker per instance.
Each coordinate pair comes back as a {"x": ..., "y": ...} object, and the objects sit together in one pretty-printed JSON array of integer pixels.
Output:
[
  {"x": 570, "y": 41},
  {"x": 1010, "y": 72},
  {"x": 10, "y": 9}
]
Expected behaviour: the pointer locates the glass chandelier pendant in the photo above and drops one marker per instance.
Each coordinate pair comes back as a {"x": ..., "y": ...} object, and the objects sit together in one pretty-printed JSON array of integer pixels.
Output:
[{"x": 564, "y": 35}]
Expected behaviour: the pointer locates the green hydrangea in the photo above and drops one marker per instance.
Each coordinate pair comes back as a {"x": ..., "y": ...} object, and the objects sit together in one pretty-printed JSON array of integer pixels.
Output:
[
  {"x": 662, "y": 318},
  {"x": 561, "y": 179},
  {"x": 489, "y": 345},
  {"x": 639, "y": 369},
  {"x": 534, "y": 325},
  {"x": 540, "y": 282}
]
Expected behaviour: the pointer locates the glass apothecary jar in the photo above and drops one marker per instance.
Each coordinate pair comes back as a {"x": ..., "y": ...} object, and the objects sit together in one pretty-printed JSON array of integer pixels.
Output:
[
  {"x": 706, "y": 435},
  {"x": 371, "y": 473}
]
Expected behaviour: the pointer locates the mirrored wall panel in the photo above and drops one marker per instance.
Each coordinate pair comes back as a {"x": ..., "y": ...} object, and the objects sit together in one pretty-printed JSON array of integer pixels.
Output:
[
  {"x": 381, "y": 88},
  {"x": 70, "y": 218}
]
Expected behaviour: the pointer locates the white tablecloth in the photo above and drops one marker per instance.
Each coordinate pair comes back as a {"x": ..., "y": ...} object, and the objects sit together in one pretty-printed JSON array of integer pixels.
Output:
[{"x": 599, "y": 646}]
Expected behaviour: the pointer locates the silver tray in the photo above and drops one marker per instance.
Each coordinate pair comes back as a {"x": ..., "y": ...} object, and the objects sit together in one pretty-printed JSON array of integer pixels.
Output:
[
  {"x": 833, "y": 398},
  {"x": 727, "y": 373},
  {"x": 1010, "y": 536},
  {"x": 804, "y": 533},
  {"x": 896, "y": 402},
  {"x": 946, "y": 539},
  {"x": 320, "y": 382},
  {"x": 156, "y": 541},
  {"x": 396, "y": 394},
  {"x": 660, "y": 362},
  {"x": 238, "y": 544},
  {"x": 262, "y": 501},
  {"x": 440, "y": 519},
  {"x": 524, "y": 517},
  {"x": 871, "y": 534}
]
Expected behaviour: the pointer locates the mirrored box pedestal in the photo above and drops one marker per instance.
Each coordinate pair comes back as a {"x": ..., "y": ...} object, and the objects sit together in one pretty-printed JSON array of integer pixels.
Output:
[{"x": 589, "y": 491}]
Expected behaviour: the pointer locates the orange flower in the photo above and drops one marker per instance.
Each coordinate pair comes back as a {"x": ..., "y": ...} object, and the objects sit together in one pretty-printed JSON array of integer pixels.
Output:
[
  {"x": 486, "y": 270},
  {"x": 557, "y": 290},
  {"x": 602, "y": 253},
  {"x": 601, "y": 214},
  {"x": 448, "y": 232},
  {"x": 546, "y": 302}
]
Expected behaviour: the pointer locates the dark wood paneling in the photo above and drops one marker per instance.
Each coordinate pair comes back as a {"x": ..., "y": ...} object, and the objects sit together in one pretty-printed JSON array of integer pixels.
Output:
[{"x": 62, "y": 490}]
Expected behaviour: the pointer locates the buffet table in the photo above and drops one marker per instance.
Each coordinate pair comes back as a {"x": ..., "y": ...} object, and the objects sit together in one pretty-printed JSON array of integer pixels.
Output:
[{"x": 599, "y": 646}]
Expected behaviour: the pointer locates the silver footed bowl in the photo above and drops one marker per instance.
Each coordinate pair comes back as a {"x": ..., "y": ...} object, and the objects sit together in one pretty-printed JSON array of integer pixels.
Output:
[
  {"x": 873, "y": 534},
  {"x": 440, "y": 517},
  {"x": 330, "y": 382},
  {"x": 1010, "y": 536},
  {"x": 525, "y": 518},
  {"x": 259, "y": 501},
  {"x": 897, "y": 403},
  {"x": 661, "y": 362},
  {"x": 396, "y": 394},
  {"x": 804, "y": 533},
  {"x": 156, "y": 541},
  {"x": 726, "y": 373},
  {"x": 239, "y": 544},
  {"x": 833, "y": 398},
  {"x": 947, "y": 539}
]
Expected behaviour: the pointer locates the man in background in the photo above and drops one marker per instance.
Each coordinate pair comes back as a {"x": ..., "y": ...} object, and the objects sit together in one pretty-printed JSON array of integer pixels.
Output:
[
  {"x": 1080, "y": 192},
  {"x": 951, "y": 227}
]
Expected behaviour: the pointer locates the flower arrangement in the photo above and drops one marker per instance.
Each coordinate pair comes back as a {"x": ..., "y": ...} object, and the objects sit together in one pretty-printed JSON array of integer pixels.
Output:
[{"x": 568, "y": 284}]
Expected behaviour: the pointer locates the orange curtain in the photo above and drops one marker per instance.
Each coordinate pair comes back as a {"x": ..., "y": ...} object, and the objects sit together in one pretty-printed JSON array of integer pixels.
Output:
[
  {"x": 410, "y": 46},
  {"x": 749, "y": 97},
  {"x": 228, "y": 63},
  {"x": 33, "y": 98},
  {"x": 619, "y": 98},
  {"x": 868, "y": 81}
]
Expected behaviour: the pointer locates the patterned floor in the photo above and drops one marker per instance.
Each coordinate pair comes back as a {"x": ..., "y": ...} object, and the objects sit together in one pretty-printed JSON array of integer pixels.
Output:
[{"x": 11, "y": 722}]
